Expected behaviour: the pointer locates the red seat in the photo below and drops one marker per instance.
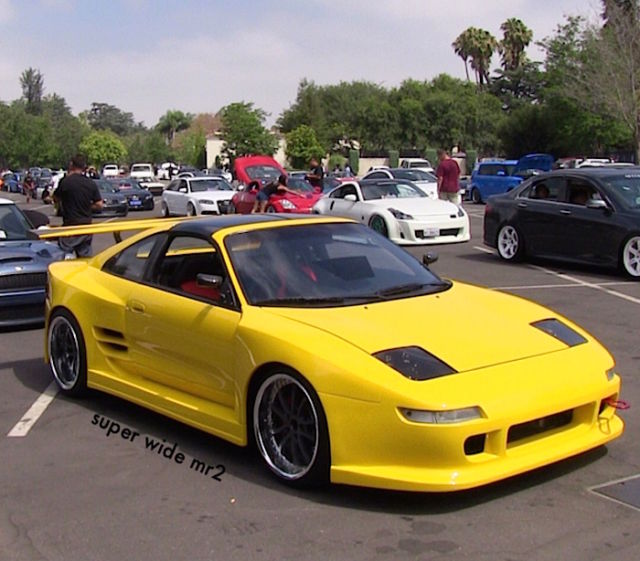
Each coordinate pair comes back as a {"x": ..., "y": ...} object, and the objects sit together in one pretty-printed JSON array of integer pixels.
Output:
[{"x": 208, "y": 292}]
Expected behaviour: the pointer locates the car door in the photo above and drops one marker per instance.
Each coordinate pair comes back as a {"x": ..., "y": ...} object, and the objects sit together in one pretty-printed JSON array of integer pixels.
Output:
[
  {"x": 244, "y": 200},
  {"x": 171, "y": 195},
  {"x": 538, "y": 215},
  {"x": 345, "y": 201},
  {"x": 183, "y": 337}
]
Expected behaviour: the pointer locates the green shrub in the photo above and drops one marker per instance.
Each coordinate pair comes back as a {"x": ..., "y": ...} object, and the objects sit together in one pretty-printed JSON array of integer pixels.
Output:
[{"x": 394, "y": 158}]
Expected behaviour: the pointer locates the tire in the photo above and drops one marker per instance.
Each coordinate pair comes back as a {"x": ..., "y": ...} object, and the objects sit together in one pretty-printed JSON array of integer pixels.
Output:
[
  {"x": 378, "y": 224},
  {"x": 164, "y": 210},
  {"x": 475, "y": 196},
  {"x": 191, "y": 210},
  {"x": 290, "y": 429},
  {"x": 231, "y": 209},
  {"x": 630, "y": 257},
  {"x": 510, "y": 243},
  {"x": 67, "y": 353},
  {"x": 271, "y": 209}
]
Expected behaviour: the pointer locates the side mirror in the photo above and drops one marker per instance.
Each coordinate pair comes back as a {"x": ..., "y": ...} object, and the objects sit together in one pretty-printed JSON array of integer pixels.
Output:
[
  {"x": 202, "y": 279},
  {"x": 182, "y": 190},
  {"x": 597, "y": 204},
  {"x": 350, "y": 197},
  {"x": 429, "y": 258}
]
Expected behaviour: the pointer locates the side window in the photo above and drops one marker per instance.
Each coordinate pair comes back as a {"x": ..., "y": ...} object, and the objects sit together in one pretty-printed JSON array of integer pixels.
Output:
[
  {"x": 580, "y": 192},
  {"x": 132, "y": 261},
  {"x": 173, "y": 186},
  {"x": 186, "y": 257},
  {"x": 488, "y": 169},
  {"x": 545, "y": 189},
  {"x": 377, "y": 175}
]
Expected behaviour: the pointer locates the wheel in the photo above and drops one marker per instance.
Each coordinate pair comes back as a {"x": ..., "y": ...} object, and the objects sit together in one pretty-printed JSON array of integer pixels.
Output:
[
  {"x": 191, "y": 210},
  {"x": 510, "y": 243},
  {"x": 271, "y": 208},
  {"x": 67, "y": 353},
  {"x": 378, "y": 224},
  {"x": 164, "y": 210},
  {"x": 475, "y": 196},
  {"x": 290, "y": 429},
  {"x": 631, "y": 257},
  {"x": 231, "y": 209}
]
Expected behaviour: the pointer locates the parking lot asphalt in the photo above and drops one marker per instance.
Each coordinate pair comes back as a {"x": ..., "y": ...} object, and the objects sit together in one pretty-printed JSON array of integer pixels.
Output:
[{"x": 69, "y": 491}]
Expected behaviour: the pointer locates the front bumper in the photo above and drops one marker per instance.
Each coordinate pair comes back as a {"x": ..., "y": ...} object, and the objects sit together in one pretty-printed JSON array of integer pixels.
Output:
[
  {"x": 22, "y": 307},
  {"x": 421, "y": 232}
]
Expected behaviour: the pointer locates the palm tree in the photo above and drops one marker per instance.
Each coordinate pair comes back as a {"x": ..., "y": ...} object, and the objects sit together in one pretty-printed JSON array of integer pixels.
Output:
[
  {"x": 481, "y": 45},
  {"x": 32, "y": 83},
  {"x": 516, "y": 38},
  {"x": 461, "y": 46},
  {"x": 172, "y": 122}
]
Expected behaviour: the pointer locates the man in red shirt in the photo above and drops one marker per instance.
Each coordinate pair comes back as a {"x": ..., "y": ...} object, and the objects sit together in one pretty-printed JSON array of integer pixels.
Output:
[{"x": 448, "y": 174}]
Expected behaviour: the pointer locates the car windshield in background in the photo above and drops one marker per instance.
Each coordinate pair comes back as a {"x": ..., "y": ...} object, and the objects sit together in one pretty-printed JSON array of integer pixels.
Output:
[
  {"x": 415, "y": 175},
  {"x": 263, "y": 172},
  {"x": 325, "y": 265},
  {"x": 625, "y": 188},
  {"x": 299, "y": 184},
  {"x": 389, "y": 190},
  {"x": 106, "y": 186},
  {"x": 13, "y": 224},
  {"x": 141, "y": 168},
  {"x": 210, "y": 185}
]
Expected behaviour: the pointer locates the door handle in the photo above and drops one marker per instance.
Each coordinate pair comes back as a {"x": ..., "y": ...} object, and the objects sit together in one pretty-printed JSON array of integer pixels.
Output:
[
  {"x": 522, "y": 205},
  {"x": 135, "y": 306},
  {"x": 565, "y": 211}
]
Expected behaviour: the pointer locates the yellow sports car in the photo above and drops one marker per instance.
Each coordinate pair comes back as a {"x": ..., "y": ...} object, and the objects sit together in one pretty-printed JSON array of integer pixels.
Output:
[{"x": 338, "y": 354}]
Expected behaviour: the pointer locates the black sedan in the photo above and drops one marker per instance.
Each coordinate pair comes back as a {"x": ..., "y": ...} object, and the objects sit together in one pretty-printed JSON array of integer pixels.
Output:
[
  {"x": 138, "y": 198},
  {"x": 587, "y": 216},
  {"x": 114, "y": 203}
]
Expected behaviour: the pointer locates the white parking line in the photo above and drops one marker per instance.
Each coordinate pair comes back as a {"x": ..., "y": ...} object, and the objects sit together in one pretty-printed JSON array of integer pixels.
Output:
[
  {"x": 594, "y": 489},
  {"x": 565, "y": 285},
  {"x": 23, "y": 426},
  {"x": 479, "y": 248}
]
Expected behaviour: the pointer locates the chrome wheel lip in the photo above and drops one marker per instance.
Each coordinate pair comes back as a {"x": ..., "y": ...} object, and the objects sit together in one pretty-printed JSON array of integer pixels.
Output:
[
  {"x": 266, "y": 441},
  {"x": 508, "y": 242},
  {"x": 63, "y": 339},
  {"x": 631, "y": 256}
]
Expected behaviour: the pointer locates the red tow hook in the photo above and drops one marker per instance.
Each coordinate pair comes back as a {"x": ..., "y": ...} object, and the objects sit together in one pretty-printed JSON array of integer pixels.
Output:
[{"x": 619, "y": 404}]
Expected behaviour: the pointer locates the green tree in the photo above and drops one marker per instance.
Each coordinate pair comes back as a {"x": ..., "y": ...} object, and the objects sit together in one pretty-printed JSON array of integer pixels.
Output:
[
  {"x": 67, "y": 130},
  {"x": 191, "y": 147},
  {"x": 32, "y": 83},
  {"x": 462, "y": 47},
  {"x": 102, "y": 147},
  {"x": 103, "y": 116},
  {"x": 477, "y": 45},
  {"x": 516, "y": 38},
  {"x": 302, "y": 145},
  {"x": 243, "y": 131},
  {"x": 173, "y": 121}
]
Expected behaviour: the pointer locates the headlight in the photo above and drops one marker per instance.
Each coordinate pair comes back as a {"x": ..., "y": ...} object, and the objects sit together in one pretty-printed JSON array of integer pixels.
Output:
[
  {"x": 560, "y": 331},
  {"x": 206, "y": 202},
  {"x": 286, "y": 203},
  {"x": 441, "y": 417},
  {"x": 399, "y": 214},
  {"x": 415, "y": 363}
]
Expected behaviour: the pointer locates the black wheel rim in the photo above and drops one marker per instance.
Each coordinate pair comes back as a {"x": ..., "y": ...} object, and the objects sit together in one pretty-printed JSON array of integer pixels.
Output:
[
  {"x": 64, "y": 352},
  {"x": 286, "y": 426},
  {"x": 378, "y": 225}
]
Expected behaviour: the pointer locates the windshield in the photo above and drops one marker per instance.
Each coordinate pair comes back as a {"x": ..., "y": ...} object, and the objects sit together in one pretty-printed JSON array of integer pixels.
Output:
[
  {"x": 299, "y": 184},
  {"x": 106, "y": 186},
  {"x": 389, "y": 190},
  {"x": 415, "y": 175},
  {"x": 13, "y": 224},
  {"x": 210, "y": 185},
  {"x": 139, "y": 167},
  {"x": 263, "y": 172},
  {"x": 625, "y": 188},
  {"x": 420, "y": 164},
  {"x": 325, "y": 265}
]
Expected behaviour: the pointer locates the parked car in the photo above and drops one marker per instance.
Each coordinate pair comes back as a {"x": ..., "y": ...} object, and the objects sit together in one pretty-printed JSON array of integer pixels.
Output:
[
  {"x": 167, "y": 170},
  {"x": 299, "y": 203},
  {"x": 217, "y": 172},
  {"x": 23, "y": 266},
  {"x": 257, "y": 170},
  {"x": 493, "y": 177},
  {"x": 424, "y": 180},
  {"x": 191, "y": 196},
  {"x": 138, "y": 171},
  {"x": 154, "y": 187},
  {"x": 333, "y": 353},
  {"x": 417, "y": 163},
  {"x": 138, "y": 198},
  {"x": 114, "y": 202},
  {"x": 11, "y": 182},
  {"x": 588, "y": 215},
  {"x": 398, "y": 210},
  {"x": 110, "y": 170}
]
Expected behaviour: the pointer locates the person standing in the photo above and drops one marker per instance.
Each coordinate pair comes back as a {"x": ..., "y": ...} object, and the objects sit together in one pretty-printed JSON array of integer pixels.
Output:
[
  {"x": 78, "y": 196},
  {"x": 29, "y": 187},
  {"x": 317, "y": 174},
  {"x": 448, "y": 174}
]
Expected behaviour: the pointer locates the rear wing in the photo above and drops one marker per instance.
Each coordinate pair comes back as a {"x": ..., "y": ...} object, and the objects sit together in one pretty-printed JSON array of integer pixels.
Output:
[{"x": 115, "y": 228}]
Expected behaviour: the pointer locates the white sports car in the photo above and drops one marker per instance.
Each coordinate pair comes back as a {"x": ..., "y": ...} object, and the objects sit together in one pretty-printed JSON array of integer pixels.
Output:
[
  {"x": 398, "y": 210},
  {"x": 192, "y": 196}
]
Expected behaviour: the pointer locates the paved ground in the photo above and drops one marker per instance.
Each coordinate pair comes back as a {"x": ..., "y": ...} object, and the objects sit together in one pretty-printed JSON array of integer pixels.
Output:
[{"x": 69, "y": 492}]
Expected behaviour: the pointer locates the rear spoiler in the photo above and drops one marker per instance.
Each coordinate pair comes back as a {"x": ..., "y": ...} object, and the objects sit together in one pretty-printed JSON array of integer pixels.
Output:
[{"x": 115, "y": 228}]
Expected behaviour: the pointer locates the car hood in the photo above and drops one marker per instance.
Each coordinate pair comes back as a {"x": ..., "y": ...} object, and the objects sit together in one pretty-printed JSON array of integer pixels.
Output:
[
  {"x": 417, "y": 206},
  {"x": 466, "y": 327},
  {"x": 31, "y": 254},
  {"x": 213, "y": 195},
  {"x": 305, "y": 200}
]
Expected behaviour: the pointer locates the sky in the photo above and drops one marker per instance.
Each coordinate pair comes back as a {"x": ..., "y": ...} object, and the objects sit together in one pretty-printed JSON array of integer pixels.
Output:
[{"x": 148, "y": 56}]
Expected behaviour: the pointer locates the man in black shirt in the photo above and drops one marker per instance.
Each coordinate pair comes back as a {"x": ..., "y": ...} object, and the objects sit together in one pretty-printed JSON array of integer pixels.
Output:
[
  {"x": 316, "y": 175},
  {"x": 77, "y": 196}
]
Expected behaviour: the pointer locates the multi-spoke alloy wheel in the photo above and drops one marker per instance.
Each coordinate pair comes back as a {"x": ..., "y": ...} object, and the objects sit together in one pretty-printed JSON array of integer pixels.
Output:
[
  {"x": 379, "y": 225},
  {"x": 509, "y": 243},
  {"x": 631, "y": 257},
  {"x": 67, "y": 356},
  {"x": 290, "y": 429}
]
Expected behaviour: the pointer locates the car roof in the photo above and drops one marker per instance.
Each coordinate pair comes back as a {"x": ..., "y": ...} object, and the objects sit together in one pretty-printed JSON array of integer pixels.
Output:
[
  {"x": 503, "y": 162},
  {"x": 596, "y": 171}
]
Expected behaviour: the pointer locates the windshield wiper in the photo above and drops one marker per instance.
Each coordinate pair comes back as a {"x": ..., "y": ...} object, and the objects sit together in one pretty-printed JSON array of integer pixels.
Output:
[
  {"x": 411, "y": 287},
  {"x": 317, "y": 300}
]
